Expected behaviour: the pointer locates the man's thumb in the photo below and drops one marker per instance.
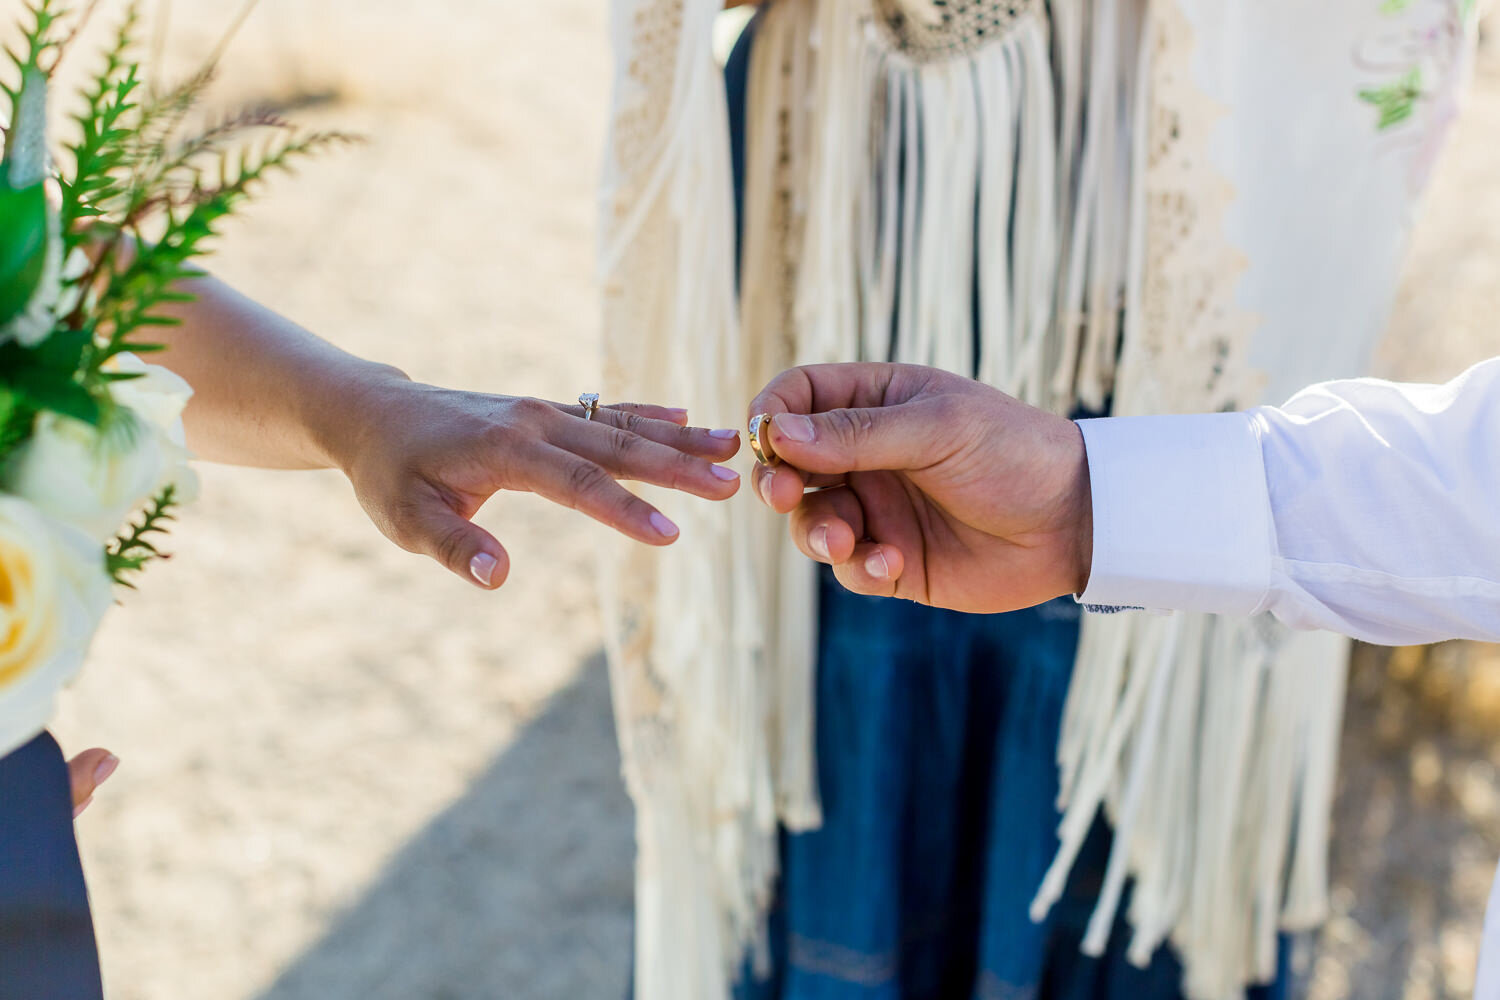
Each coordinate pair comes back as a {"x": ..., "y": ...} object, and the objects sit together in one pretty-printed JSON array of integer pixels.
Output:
[{"x": 854, "y": 440}]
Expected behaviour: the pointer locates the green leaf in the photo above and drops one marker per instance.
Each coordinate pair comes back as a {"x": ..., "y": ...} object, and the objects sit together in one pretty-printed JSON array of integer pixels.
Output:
[
  {"x": 23, "y": 246},
  {"x": 66, "y": 397},
  {"x": 62, "y": 351},
  {"x": 1395, "y": 101},
  {"x": 14, "y": 422}
]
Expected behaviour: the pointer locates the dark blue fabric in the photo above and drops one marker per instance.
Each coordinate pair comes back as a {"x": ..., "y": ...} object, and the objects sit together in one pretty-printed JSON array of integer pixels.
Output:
[
  {"x": 937, "y": 738},
  {"x": 47, "y": 949}
]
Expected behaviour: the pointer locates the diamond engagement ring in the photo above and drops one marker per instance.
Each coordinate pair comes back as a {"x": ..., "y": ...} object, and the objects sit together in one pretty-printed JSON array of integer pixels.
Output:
[{"x": 590, "y": 403}]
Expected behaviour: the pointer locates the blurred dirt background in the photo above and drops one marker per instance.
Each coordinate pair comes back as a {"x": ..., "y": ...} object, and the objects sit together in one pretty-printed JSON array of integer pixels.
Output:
[{"x": 346, "y": 774}]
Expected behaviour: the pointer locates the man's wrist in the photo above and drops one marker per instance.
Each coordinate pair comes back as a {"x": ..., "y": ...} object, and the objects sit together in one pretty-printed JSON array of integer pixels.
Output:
[{"x": 1083, "y": 516}]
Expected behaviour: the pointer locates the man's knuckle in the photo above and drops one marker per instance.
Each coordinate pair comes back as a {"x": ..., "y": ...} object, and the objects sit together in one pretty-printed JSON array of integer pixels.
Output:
[{"x": 848, "y": 425}]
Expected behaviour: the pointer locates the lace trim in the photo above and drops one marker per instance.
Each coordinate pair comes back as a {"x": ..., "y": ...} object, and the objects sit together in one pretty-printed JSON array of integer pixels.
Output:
[{"x": 1187, "y": 342}]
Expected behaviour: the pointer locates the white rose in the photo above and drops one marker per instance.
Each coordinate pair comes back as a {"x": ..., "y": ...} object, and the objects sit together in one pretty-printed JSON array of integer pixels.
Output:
[
  {"x": 159, "y": 396},
  {"x": 53, "y": 592},
  {"x": 94, "y": 478}
]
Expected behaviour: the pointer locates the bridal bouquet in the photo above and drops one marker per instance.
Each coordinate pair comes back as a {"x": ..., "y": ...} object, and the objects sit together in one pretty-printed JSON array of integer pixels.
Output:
[{"x": 94, "y": 242}]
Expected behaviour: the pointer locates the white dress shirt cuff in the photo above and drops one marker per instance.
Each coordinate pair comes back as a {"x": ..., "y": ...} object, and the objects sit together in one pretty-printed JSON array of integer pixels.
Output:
[{"x": 1182, "y": 515}]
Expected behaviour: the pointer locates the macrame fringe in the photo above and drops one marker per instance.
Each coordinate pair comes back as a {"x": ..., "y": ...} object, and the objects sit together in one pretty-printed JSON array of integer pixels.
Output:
[
  {"x": 1209, "y": 744},
  {"x": 1212, "y": 747},
  {"x": 1007, "y": 184},
  {"x": 887, "y": 227},
  {"x": 686, "y": 628}
]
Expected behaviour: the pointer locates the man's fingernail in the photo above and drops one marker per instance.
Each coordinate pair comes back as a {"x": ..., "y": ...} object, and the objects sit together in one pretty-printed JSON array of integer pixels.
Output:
[
  {"x": 817, "y": 540},
  {"x": 482, "y": 568},
  {"x": 724, "y": 433},
  {"x": 794, "y": 425},
  {"x": 677, "y": 411},
  {"x": 663, "y": 527},
  {"x": 728, "y": 475},
  {"x": 765, "y": 486},
  {"x": 877, "y": 567},
  {"x": 105, "y": 769},
  {"x": 80, "y": 807}
]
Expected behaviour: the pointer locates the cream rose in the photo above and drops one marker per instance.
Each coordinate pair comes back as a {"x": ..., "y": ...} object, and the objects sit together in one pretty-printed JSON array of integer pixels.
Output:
[
  {"x": 94, "y": 478},
  {"x": 53, "y": 592}
]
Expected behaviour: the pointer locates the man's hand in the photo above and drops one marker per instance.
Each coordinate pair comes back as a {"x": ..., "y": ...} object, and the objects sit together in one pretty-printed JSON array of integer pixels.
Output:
[
  {"x": 423, "y": 460},
  {"x": 929, "y": 486}
]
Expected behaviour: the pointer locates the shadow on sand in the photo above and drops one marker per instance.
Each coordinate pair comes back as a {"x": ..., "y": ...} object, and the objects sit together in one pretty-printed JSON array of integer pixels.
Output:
[{"x": 521, "y": 890}]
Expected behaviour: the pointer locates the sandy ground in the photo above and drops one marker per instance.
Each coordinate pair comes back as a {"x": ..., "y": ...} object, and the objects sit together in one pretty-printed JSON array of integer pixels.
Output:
[{"x": 346, "y": 774}]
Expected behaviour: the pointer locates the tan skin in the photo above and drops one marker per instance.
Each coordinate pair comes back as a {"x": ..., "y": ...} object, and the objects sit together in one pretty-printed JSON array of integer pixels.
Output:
[
  {"x": 928, "y": 486},
  {"x": 425, "y": 509},
  {"x": 422, "y": 459}
]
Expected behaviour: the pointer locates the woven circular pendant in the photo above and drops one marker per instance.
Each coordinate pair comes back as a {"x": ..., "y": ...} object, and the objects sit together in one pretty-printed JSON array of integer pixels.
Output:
[{"x": 929, "y": 30}]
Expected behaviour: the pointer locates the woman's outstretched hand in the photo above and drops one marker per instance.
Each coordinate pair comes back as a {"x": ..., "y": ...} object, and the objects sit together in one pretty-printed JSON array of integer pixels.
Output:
[
  {"x": 928, "y": 486},
  {"x": 423, "y": 460}
]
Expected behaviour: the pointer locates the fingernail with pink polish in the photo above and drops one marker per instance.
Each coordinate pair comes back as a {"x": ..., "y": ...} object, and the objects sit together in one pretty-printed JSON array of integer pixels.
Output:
[
  {"x": 105, "y": 769},
  {"x": 724, "y": 433},
  {"x": 728, "y": 475},
  {"x": 482, "y": 568},
  {"x": 663, "y": 527},
  {"x": 877, "y": 567},
  {"x": 794, "y": 426},
  {"x": 817, "y": 540}
]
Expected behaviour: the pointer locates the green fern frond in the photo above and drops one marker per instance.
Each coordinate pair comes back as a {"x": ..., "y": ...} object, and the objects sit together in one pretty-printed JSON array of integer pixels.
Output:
[
  {"x": 163, "y": 115},
  {"x": 25, "y": 96},
  {"x": 133, "y": 549},
  {"x": 104, "y": 136},
  {"x": 39, "y": 39},
  {"x": 132, "y": 294}
]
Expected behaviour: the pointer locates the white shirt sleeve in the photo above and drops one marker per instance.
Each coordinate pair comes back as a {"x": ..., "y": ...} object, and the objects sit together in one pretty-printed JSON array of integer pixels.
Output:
[{"x": 1364, "y": 507}]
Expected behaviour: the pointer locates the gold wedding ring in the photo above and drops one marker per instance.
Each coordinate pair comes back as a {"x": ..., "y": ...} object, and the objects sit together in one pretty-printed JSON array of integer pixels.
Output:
[
  {"x": 590, "y": 403},
  {"x": 760, "y": 440}
]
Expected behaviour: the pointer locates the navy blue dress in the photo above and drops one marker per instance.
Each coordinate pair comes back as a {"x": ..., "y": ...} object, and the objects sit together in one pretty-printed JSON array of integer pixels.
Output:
[
  {"x": 47, "y": 949},
  {"x": 937, "y": 742}
]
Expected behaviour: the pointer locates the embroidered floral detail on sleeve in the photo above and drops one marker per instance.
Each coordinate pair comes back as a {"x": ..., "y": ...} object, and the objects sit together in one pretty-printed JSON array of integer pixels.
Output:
[
  {"x": 1417, "y": 60},
  {"x": 1395, "y": 101}
]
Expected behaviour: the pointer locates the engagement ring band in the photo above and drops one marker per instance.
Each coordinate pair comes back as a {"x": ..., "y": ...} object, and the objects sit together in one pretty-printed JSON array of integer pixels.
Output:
[
  {"x": 590, "y": 403},
  {"x": 760, "y": 440}
]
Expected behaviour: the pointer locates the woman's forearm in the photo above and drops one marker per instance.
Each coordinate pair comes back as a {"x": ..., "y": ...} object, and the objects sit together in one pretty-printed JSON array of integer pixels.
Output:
[
  {"x": 423, "y": 459},
  {"x": 266, "y": 392}
]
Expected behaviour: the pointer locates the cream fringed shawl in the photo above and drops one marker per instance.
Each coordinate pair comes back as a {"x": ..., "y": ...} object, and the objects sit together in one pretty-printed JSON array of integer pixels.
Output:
[{"x": 990, "y": 187}]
